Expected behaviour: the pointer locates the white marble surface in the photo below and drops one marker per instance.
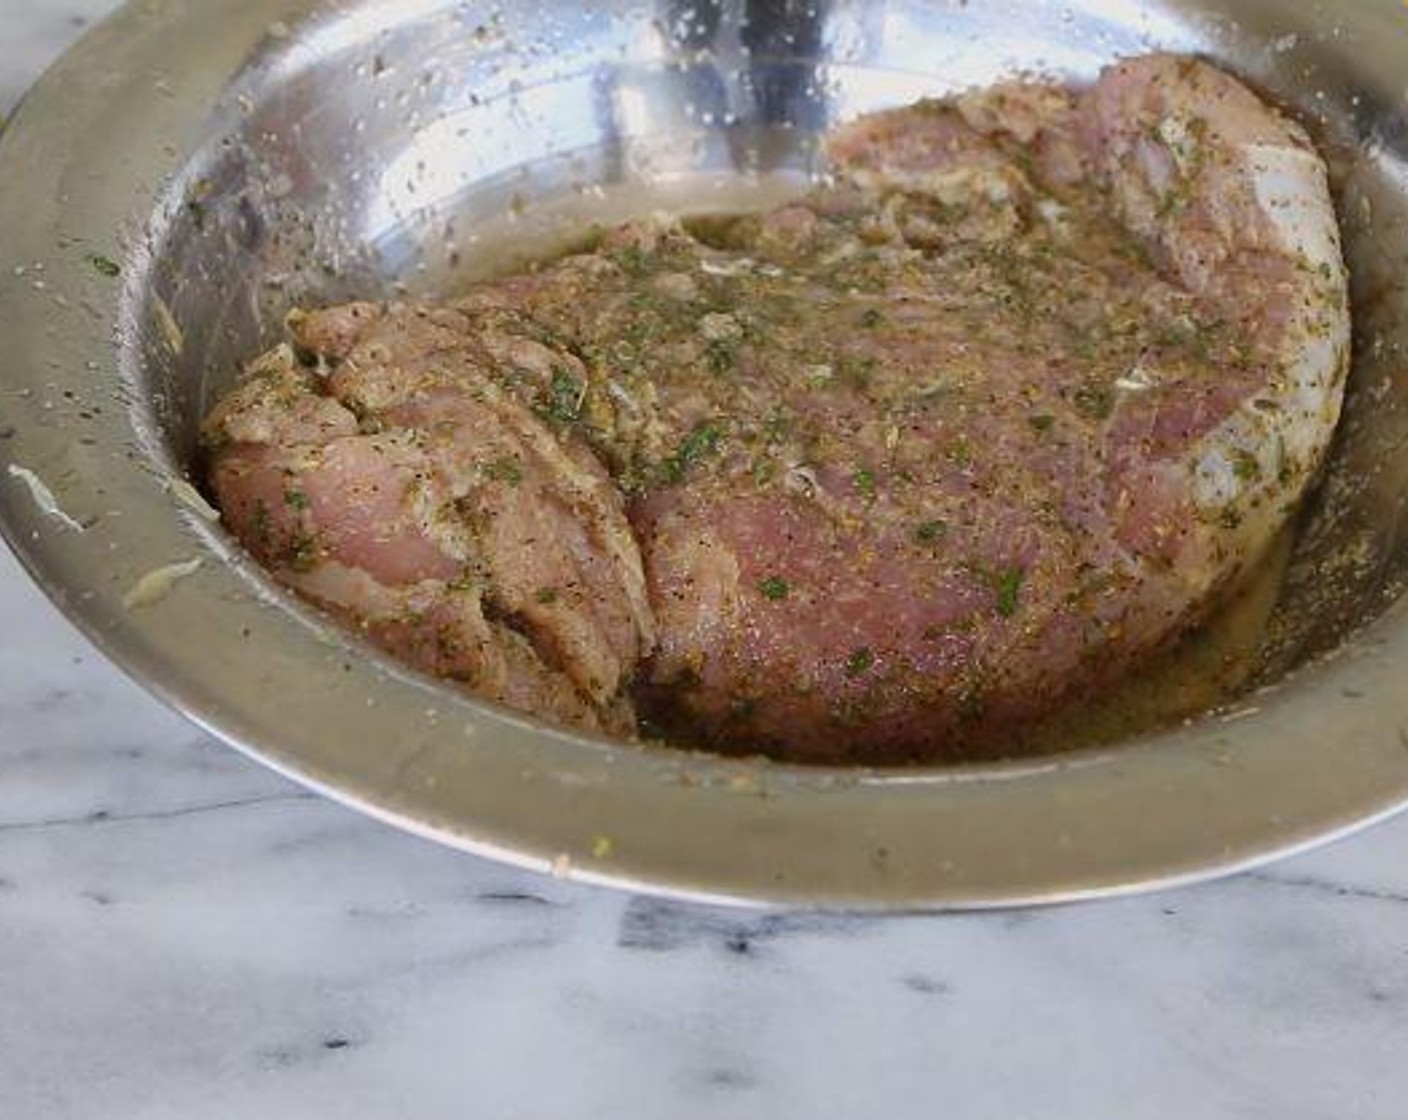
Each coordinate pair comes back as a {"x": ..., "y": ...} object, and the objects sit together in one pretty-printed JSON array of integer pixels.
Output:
[{"x": 185, "y": 936}]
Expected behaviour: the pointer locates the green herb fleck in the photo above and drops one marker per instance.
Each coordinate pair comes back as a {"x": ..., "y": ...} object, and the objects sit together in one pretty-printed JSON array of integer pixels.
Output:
[
  {"x": 645, "y": 321},
  {"x": 303, "y": 555},
  {"x": 1139, "y": 253},
  {"x": 1172, "y": 201},
  {"x": 871, "y": 318},
  {"x": 105, "y": 266},
  {"x": 949, "y": 213},
  {"x": 723, "y": 355},
  {"x": 856, "y": 370},
  {"x": 704, "y": 440},
  {"x": 504, "y": 470},
  {"x": 296, "y": 499},
  {"x": 930, "y": 531},
  {"x": 1041, "y": 422},
  {"x": 1025, "y": 163},
  {"x": 565, "y": 396},
  {"x": 1094, "y": 402},
  {"x": 971, "y": 704},
  {"x": 263, "y": 524},
  {"x": 1245, "y": 465},
  {"x": 1177, "y": 333},
  {"x": 546, "y": 595},
  {"x": 743, "y": 709},
  {"x": 1009, "y": 586},
  {"x": 774, "y": 588},
  {"x": 865, "y": 482},
  {"x": 859, "y": 662},
  {"x": 632, "y": 260}
]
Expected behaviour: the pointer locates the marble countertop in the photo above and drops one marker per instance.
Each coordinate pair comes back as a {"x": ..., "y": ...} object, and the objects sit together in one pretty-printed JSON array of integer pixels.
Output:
[{"x": 184, "y": 935}]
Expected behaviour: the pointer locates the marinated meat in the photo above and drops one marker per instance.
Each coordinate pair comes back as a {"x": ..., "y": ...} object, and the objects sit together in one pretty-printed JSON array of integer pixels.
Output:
[
  {"x": 875, "y": 476},
  {"x": 410, "y": 492}
]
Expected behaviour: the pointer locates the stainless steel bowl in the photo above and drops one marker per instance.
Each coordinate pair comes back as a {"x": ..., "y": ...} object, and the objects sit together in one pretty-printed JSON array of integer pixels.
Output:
[{"x": 194, "y": 169}]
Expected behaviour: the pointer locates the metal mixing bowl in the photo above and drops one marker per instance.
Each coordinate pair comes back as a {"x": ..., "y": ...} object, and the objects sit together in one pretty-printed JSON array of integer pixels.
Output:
[{"x": 193, "y": 169}]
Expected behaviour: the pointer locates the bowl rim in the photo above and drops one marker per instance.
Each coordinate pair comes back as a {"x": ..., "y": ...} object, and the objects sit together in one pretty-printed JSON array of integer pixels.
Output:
[{"x": 80, "y": 185}]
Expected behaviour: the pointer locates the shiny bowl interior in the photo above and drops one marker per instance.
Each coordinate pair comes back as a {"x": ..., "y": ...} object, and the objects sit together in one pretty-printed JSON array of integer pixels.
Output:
[{"x": 191, "y": 172}]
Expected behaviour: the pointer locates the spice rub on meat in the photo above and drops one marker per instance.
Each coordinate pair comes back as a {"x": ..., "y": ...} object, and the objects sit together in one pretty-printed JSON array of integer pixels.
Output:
[
  {"x": 874, "y": 476},
  {"x": 415, "y": 493}
]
